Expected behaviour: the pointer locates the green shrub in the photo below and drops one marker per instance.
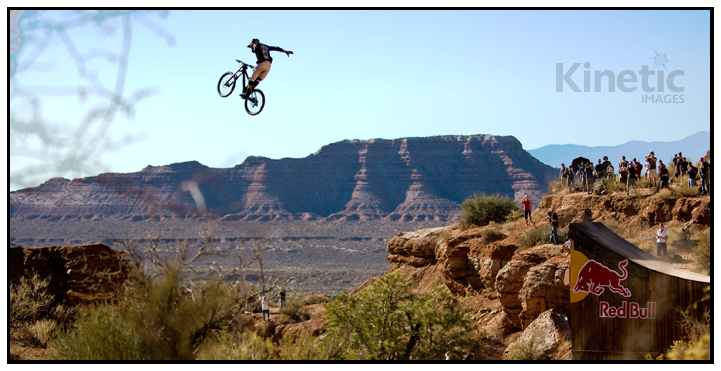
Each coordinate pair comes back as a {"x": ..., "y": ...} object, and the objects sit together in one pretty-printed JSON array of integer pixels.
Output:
[
  {"x": 102, "y": 332},
  {"x": 481, "y": 209},
  {"x": 664, "y": 194},
  {"x": 534, "y": 237},
  {"x": 491, "y": 235},
  {"x": 388, "y": 322},
  {"x": 642, "y": 182},
  {"x": 294, "y": 311},
  {"x": 523, "y": 351},
  {"x": 29, "y": 301},
  {"x": 164, "y": 312},
  {"x": 613, "y": 185}
]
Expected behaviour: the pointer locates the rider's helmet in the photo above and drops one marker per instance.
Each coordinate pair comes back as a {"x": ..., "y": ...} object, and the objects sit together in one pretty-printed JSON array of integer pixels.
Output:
[{"x": 256, "y": 41}]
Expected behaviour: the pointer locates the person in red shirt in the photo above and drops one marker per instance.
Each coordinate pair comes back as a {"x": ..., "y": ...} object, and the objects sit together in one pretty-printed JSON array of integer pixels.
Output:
[{"x": 526, "y": 202}]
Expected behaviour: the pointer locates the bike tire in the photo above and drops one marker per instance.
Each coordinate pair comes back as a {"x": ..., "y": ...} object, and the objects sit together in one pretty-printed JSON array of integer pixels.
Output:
[
  {"x": 227, "y": 81},
  {"x": 255, "y": 102}
]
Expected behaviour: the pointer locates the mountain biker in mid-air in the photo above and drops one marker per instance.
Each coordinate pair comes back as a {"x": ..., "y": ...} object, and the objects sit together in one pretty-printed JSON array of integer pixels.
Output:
[{"x": 262, "y": 53}]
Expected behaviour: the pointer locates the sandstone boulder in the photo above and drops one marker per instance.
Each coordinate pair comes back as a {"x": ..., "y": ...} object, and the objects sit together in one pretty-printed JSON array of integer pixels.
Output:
[
  {"x": 549, "y": 332},
  {"x": 543, "y": 289}
]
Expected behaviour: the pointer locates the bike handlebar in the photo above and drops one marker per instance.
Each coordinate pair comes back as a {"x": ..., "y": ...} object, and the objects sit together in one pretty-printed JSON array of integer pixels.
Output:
[{"x": 239, "y": 61}]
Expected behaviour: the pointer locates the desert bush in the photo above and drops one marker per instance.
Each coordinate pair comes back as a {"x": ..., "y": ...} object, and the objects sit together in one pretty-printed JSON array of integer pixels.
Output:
[
  {"x": 664, "y": 194},
  {"x": 103, "y": 332},
  {"x": 534, "y": 237},
  {"x": 294, "y": 311},
  {"x": 696, "y": 344},
  {"x": 556, "y": 187},
  {"x": 703, "y": 251},
  {"x": 445, "y": 235},
  {"x": 482, "y": 209},
  {"x": 515, "y": 215},
  {"x": 29, "y": 301},
  {"x": 523, "y": 351},
  {"x": 388, "y": 322},
  {"x": 683, "y": 188},
  {"x": 164, "y": 312},
  {"x": 642, "y": 182},
  {"x": 244, "y": 346},
  {"x": 613, "y": 185},
  {"x": 491, "y": 235}
]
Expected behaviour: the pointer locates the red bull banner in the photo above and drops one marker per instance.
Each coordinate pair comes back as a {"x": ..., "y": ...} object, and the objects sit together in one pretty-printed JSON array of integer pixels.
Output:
[{"x": 588, "y": 276}]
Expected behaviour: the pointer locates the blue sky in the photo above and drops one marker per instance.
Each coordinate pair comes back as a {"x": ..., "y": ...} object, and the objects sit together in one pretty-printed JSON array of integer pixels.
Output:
[{"x": 353, "y": 75}]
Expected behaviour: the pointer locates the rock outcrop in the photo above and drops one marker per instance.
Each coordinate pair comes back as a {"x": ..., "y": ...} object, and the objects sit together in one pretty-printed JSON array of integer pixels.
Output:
[
  {"x": 409, "y": 179},
  {"x": 76, "y": 273},
  {"x": 548, "y": 334}
]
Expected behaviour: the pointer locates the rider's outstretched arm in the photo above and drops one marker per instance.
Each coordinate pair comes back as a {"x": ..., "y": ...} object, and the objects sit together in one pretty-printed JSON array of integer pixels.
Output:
[{"x": 279, "y": 49}]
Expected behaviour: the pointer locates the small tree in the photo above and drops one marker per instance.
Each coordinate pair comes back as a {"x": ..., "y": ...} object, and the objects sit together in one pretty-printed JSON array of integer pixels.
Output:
[
  {"x": 388, "y": 322},
  {"x": 483, "y": 209}
]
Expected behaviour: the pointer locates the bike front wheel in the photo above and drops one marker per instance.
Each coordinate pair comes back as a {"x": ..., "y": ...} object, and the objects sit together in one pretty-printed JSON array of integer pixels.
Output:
[
  {"x": 255, "y": 102},
  {"x": 226, "y": 84}
]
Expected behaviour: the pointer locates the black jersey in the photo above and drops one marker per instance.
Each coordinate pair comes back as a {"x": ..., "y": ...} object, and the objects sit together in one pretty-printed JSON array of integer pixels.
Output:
[{"x": 262, "y": 52}]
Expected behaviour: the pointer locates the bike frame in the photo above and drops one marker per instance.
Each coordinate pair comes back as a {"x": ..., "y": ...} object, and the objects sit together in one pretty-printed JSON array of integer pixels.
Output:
[{"x": 243, "y": 70}]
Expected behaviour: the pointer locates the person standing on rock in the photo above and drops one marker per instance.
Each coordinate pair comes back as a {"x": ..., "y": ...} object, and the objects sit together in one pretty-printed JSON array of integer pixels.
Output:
[
  {"x": 661, "y": 236},
  {"x": 631, "y": 182},
  {"x": 692, "y": 172},
  {"x": 282, "y": 299},
  {"x": 705, "y": 171},
  {"x": 264, "y": 307},
  {"x": 562, "y": 175},
  {"x": 652, "y": 172},
  {"x": 526, "y": 202},
  {"x": 663, "y": 175},
  {"x": 553, "y": 219}
]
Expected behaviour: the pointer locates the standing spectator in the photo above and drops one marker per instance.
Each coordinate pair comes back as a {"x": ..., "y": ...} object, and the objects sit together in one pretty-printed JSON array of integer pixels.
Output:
[
  {"x": 526, "y": 202},
  {"x": 589, "y": 177},
  {"x": 562, "y": 176},
  {"x": 676, "y": 166},
  {"x": 663, "y": 175},
  {"x": 637, "y": 165},
  {"x": 264, "y": 307},
  {"x": 705, "y": 171},
  {"x": 582, "y": 176},
  {"x": 631, "y": 182},
  {"x": 692, "y": 172},
  {"x": 652, "y": 172},
  {"x": 683, "y": 164},
  {"x": 282, "y": 299},
  {"x": 569, "y": 176},
  {"x": 553, "y": 219},
  {"x": 623, "y": 171},
  {"x": 609, "y": 171},
  {"x": 606, "y": 164},
  {"x": 600, "y": 170},
  {"x": 661, "y": 236}
]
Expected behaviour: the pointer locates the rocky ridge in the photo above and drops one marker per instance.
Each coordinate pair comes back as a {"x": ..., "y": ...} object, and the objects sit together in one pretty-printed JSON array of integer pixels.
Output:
[{"x": 408, "y": 179}]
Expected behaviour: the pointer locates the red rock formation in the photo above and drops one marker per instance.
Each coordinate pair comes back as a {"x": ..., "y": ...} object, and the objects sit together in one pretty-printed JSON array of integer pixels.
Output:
[
  {"x": 410, "y": 179},
  {"x": 75, "y": 273}
]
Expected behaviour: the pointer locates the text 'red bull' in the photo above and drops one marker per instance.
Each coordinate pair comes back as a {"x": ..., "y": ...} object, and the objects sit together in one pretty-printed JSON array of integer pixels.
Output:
[{"x": 626, "y": 310}]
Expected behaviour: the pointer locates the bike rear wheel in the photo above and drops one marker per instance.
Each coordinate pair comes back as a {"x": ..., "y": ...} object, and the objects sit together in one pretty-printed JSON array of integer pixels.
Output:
[
  {"x": 226, "y": 84},
  {"x": 255, "y": 102}
]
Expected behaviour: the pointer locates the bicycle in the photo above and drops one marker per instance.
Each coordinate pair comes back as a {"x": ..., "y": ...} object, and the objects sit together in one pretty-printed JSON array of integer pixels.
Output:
[{"x": 255, "y": 101}]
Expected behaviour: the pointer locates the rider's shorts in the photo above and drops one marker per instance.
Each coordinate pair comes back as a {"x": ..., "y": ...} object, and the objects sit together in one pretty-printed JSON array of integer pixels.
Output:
[{"x": 261, "y": 70}]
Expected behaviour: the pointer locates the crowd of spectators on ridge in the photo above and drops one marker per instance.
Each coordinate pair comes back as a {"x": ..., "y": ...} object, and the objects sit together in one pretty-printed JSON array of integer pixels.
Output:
[{"x": 586, "y": 177}]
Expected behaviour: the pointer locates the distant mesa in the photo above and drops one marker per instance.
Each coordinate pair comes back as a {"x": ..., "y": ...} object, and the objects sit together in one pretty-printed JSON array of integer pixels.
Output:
[{"x": 408, "y": 179}]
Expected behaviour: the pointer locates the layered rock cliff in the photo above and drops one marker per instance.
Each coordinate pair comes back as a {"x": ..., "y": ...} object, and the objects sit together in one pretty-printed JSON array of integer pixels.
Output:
[{"x": 405, "y": 179}]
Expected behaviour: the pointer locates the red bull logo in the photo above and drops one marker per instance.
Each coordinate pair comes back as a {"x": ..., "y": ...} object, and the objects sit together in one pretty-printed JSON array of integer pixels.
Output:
[
  {"x": 595, "y": 278},
  {"x": 588, "y": 276}
]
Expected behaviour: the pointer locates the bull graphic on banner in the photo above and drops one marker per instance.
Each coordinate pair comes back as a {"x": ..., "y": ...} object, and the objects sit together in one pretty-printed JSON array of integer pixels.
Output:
[{"x": 595, "y": 277}]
